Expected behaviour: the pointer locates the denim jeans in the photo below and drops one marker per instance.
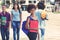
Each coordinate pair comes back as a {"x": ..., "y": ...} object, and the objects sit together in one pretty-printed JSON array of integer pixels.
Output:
[
  {"x": 16, "y": 29},
  {"x": 5, "y": 33},
  {"x": 42, "y": 33}
]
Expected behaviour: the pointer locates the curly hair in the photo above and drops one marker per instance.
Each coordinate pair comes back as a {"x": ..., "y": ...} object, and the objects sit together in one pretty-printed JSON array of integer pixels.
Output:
[{"x": 30, "y": 6}]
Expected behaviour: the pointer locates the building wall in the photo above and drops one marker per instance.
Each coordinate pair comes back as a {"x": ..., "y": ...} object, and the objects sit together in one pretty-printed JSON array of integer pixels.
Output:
[{"x": 27, "y": 1}]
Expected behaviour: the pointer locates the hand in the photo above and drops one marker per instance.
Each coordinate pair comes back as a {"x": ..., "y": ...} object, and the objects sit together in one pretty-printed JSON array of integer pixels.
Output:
[
  {"x": 8, "y": 29},
  {"x": 20, "y": 25}
]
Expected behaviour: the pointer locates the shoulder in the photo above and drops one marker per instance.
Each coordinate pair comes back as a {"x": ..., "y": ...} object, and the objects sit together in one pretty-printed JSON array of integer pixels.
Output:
[
  {"x": 1, "y": 13},
  {"x": 28, "y": 18},
  {"x": 7, "y": 13},
  {"x": 12, "y": 10},
  {"x": 38, "y": 11}
]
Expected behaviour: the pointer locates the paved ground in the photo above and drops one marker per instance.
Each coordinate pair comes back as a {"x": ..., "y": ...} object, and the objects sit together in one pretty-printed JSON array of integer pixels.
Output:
[{"x": 52, "y": 27}]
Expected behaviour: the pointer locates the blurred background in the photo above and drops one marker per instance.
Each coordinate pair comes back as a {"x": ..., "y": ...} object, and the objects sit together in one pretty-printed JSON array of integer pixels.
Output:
[{"x": 51, "y": 5}]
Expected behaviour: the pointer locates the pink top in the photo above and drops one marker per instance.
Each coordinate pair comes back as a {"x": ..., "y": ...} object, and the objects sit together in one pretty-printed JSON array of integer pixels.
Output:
[{"x": 33, "y": 24}]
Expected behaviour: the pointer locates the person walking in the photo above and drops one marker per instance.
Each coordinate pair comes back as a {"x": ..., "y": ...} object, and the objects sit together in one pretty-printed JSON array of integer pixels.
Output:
[
  {"x": 16, "y": 18},
  {"x": 42, "y": 16},
  {"x": 5, "y": 23},
  {"x": 32, "y": 23}
]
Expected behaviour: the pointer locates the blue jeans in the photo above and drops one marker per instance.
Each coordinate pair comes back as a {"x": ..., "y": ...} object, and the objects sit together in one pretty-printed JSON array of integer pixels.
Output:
[
  {"x": 42, "y": 32},
  {"x": 16, "y": 29},
  {"x": 5, "y": 33}
]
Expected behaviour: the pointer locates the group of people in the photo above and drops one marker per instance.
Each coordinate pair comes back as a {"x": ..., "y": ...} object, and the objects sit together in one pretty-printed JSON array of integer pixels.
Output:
[{"x": 34, "y": 22}]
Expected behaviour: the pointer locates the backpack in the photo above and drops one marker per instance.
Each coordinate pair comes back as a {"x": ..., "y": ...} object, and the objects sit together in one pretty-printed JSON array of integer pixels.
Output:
[
  {"x": 26, "y": 31},
  {"x": 43, "y": 15}
]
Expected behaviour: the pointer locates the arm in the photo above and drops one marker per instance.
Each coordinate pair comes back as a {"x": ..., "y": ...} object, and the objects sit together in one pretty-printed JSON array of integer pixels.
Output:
[
  {"x": 0, "y": 20},
  {"x": 9, "y": 25},
  {"x": 20, "y": 19},
  {"x": 11, "y": 15},
  {"x": 27, "y": 23},
  {"x": 9, "y": 21},
  {"x": 46, "y": 17}
]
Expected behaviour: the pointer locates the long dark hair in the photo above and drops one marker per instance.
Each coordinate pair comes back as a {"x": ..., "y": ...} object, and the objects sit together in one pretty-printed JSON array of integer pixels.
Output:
[
  {"x": 17, "y": 7},
  {"x": 14, "y": 6}
]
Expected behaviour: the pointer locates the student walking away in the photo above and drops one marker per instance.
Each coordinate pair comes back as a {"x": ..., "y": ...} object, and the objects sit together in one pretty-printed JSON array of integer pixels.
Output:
[
  {"x": 16, "y": 20},
  {"x": 32, "y": 23},
  {"x": 42, "y": 16},
  {"x": 5, "y": 21}
]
